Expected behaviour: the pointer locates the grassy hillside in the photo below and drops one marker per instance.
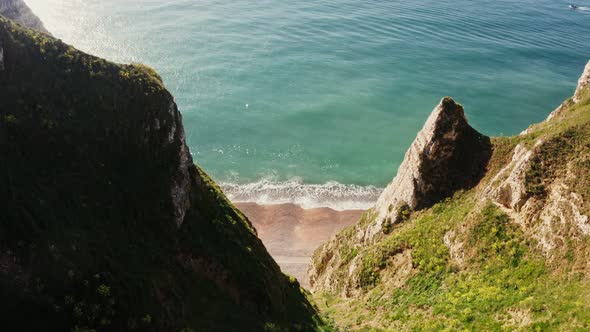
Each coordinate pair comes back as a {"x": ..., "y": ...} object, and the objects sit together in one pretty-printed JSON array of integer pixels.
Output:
[
  {"x": 476, "y": 261},
  {"x": 106, "y": 224}
]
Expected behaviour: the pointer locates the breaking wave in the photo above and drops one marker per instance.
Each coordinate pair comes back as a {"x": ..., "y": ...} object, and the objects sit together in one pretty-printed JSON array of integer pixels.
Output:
[{"x": 332, "y": 194}]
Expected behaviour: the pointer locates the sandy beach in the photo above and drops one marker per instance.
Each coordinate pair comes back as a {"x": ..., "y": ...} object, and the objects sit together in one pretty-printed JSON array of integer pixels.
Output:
[{"x": 291, "y": 233}]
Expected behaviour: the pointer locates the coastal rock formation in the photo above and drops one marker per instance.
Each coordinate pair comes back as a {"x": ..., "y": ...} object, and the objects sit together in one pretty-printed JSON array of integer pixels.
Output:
[
  {"x": 507, "y": 188},
  {"x": 504, "y": 245},
  {"x": 18, "y": 11},
  {"x": 538, "y": 187},
  {"x": 583, "y": 83},
  {"x": 447, "y": 155},
  {"x": 580, "y": 94},
  {"x": 107, "y": 224}
]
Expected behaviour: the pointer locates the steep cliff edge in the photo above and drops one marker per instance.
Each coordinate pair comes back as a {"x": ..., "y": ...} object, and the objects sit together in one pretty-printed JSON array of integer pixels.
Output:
[
  {"x": 504, "y": 249},
  {"x": 106, "y": 223},
  {"x": 18, "y": 11},
  {"x": 447, "y": 155}
]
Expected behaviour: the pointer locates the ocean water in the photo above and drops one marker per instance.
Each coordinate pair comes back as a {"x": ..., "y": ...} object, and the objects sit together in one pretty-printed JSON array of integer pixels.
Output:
[{"x": 316, "y": 102}]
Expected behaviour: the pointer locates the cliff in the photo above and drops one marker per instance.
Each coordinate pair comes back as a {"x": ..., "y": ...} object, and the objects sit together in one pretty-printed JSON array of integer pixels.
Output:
[
  {"x": 19, "y": 12},
  {"x": 473, "y": 233},
  {"x": 447, "y": 155},
  {"x": 106, "y": 223}
]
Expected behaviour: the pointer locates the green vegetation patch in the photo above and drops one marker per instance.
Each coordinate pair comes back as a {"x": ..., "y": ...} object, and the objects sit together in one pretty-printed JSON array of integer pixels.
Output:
[
  {"x": 502, "y": 285},
  {"x": 473, "y": 268},
  {"x": 551, "y": 158}
]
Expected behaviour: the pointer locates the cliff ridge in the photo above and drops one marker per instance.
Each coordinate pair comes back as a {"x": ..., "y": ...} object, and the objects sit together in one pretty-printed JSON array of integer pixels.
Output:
[
  {"x": 435, "y": 166},
  {"x": 18, "y": 11},
  {"x": 504, "y": 245},
  {"x": 107, "y": 225}
]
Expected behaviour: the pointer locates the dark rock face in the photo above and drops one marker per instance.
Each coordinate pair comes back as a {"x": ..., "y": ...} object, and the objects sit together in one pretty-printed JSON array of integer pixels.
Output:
[
  {"x": 18, "y": 11},
  {"x": 447, "y": 155},
  {"x": 106, "y": 223},
  {"x": 454, "y": 159}
]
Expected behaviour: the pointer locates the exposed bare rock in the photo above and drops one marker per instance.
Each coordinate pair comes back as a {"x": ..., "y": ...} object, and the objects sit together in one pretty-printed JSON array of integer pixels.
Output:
[
  {"x": 447, "y": 155},
  {"x": 322, "y": 271},
  {"x": 18, "y": 11},
  {"x": 583, "y": 82},
  {"x": 550, "y": 220},
  {"x": 539, "y": 183},
  {"x": 330, "y": 277},
  {"x": 516, "y": 319},
  {"x": 400, "y": 269},
  {"x": 507, "y": 187},
  {"x": 456, "y": 248},
  {"x": 180, "y": 186},
  {"x": 556, "y": 218}
]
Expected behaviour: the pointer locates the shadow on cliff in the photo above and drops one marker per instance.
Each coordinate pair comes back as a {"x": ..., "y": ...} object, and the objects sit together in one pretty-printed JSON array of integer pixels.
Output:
[
  {"x": 106, "y": 223},
  {"x": 456, "y": 157}
]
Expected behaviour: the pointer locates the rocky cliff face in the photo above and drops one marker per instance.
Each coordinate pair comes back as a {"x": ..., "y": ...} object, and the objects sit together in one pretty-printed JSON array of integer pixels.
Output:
[
  {"x": 583, "y": 83},
  {"x": 473, "y": 233},
  {"x": 18, "y": 11},
  {"x": 447, "y": 155},
  {"x": 544, "y": 184},
  {"x": 106, "y": 222}
]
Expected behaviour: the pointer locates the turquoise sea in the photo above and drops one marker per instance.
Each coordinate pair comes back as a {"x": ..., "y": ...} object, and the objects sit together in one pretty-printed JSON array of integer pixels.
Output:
[{"x": 315, "y": 102}]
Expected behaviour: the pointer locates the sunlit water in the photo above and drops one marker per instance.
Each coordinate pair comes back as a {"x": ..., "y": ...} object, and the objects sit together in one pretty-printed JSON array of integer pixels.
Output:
[{"x": 315, "y": 102}]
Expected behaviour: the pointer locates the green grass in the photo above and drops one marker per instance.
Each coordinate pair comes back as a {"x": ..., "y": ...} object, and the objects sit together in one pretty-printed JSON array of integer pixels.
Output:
[
  {"x": 503, "y": 274},
  {"x": 500, "y": 280},
  {"x": 423, "y": 235}
]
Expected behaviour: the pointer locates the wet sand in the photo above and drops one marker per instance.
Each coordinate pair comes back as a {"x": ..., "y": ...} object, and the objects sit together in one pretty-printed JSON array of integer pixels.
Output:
[{"x": 291, "y": 233}]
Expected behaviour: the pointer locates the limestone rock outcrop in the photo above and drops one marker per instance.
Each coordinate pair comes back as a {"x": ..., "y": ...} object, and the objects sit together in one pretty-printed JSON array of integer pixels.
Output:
[
  {"x": 583, "y": 83},
  {"x": 447, "y": 155},
  {"x": 555, "y": 216},
  {"x": 581, "y": 89},
  {"x": 524, "y": 208},
  {"x": 18, "y": 11}
]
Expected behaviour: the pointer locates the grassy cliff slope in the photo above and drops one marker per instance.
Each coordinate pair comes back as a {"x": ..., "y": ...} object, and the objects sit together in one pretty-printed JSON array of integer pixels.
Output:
[
  {"x": 105, "y": 222},
  {"x": 510, "y": 254}
]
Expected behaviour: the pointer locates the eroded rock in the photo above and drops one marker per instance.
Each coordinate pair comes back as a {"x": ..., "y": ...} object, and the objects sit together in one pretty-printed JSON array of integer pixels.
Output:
[
  {"x": 447, "y": 155},
  {"x": 583, "y": 82}
]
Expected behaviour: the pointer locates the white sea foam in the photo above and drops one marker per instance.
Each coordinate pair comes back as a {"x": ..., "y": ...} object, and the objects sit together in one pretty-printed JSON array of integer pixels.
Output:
[
  {"x": 332, "y": 194},
  {"x": 584, "y": 8}
]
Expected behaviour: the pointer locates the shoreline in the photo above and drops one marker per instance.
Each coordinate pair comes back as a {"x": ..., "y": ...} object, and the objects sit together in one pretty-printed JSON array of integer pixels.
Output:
[
  {"x": 332, "y": 194},
  {"x": 291, "y": 233}
]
